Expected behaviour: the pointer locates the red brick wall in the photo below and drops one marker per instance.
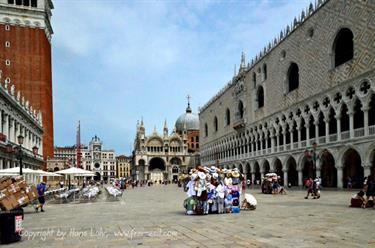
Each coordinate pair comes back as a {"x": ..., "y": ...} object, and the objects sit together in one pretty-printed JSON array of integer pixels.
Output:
[
  {"x": 30, "y": 70},
  {"x": 193, "y": 144}
]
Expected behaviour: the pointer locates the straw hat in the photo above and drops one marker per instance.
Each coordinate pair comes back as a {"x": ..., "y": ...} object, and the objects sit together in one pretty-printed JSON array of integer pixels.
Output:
[{"x": 235, "y": 174}]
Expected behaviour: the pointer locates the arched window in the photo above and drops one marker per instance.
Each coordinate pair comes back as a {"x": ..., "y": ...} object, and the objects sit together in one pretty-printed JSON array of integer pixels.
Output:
[
  {"x": 216, "y": 124},
  {"x": 260, "y": 97},
  {"x": 264, "y": 72},
  {"x": 206, "y": 129},
  {"x": 240, "y": 109},
  {"x": 227, "y": 117},
  {"x": 343, "y": 46},
  {"x": 293, "y": 77}
]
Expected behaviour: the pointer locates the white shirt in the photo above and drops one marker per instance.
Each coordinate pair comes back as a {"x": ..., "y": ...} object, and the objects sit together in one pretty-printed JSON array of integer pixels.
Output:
[{"x": 191, "y": 191}]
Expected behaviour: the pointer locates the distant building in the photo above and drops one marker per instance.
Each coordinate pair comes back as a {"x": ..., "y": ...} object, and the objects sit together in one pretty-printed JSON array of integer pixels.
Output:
[
  {"x": 57, "y": 164},
  {"x": 93, "y": 158},
  {"x": 123, "y": 166},
  {"x": 163, "y": 157}
]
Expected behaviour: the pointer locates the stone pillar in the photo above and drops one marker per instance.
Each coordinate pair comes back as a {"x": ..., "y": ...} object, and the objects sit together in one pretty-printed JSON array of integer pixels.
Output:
[
  {"x": 339, "y": 178},
  {"x": 253, "y": 178},
  {"x": 351, "y": 124},
  {"x": 277, "y": 142},
  {"x": 285, "y": 178},
  {"x": 266, "y": 139},
  {"x": 307, "y": 125},
  {"x": 300, "y": 178},
  {"x": 284, "y": 139},
  {"x": 327, "y": 129},
  {"x": 299, "y": 136},
  {"x": 6, "y": 126},
  {"x": 291, "y": 137},
  {"x": 272, "y": 143},
  {"x": 1, "y": 122},
  {"x": 262, "y": 171},
  {"x": 365, "y": 116},
  {"x": 338, "y": 123},
  {"x": 366, "y": 169},
  {"x": 316, "y": 123}
]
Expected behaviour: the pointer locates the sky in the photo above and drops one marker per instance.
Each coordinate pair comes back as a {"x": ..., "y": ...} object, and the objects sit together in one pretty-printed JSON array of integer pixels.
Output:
[{"x": 117, "y": 61}]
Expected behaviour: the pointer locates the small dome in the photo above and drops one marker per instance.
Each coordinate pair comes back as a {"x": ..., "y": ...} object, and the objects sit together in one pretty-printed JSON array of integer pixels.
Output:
[{"x": 189, "y": 119}]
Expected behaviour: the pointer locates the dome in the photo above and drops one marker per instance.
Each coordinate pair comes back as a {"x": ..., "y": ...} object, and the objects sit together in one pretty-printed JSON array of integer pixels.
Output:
[{"x": 191, "y": 120}]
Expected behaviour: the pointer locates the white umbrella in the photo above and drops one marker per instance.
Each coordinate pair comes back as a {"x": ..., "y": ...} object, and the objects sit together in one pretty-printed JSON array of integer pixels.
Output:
[
  {"x": 48, "y": 174},
  {"x": 16, "y": 171},
  {"x": 76, "y": 172}
]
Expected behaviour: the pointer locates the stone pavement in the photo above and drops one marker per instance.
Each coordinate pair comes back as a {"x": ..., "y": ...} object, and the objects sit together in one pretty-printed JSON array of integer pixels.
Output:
[{"x": 154, "y": 217}]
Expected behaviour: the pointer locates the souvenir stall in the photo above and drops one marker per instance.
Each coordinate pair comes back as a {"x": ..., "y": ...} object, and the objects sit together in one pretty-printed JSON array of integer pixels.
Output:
[{"x": 213, "y": 190}]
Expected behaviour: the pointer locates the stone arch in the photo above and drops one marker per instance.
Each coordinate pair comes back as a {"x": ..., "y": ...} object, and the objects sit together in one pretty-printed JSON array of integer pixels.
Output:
[
  {"x": 248, "y": 170},
  {"x": 352, "y": 168},
  {"x": 308, "y": 168},
  {"x": 156, "y": 163},
  {"x": 328, "y": 171},
  {"x": 266, "y": 166},
  {"x": 278, "y": 169},
  {"x": 240, "y": 168},
  {"x": 291, "y": 166},
  {"x": 257, "y": 175}
]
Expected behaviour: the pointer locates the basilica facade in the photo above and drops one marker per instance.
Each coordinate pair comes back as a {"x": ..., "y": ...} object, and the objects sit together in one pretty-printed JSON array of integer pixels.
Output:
[
  {"x": 163, "y": 156},
  {"x": 305, "y": 105}
]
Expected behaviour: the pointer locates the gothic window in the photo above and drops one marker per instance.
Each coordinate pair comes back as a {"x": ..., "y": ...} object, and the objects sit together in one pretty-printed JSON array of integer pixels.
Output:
[
  {"x": 206, "y": 129},
  {"x": 216, "y": 125},
  {"x": 293, "y": 77},
  {"x": 10, "y": 1},
  {"x": 227, "y": 117},
  {"x": 260, "y": 97},
  {"x": 240, "y": 109},
  {"x": 343, "y": 46},
  {"x": 18, "y": 2},
  {"x": 34, "y": 3},
  {"x": 264, "y": 72},
  {"x": 358, "y": 115},
  {"x": 26, "y": 2}
]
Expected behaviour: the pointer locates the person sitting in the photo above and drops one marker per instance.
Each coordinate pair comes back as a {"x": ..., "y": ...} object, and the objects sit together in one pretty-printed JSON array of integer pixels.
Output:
[{"x": 359, "y": 200}]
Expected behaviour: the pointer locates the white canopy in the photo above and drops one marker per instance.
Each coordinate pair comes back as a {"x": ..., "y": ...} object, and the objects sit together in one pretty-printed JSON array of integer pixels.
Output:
[
  {"x": 76, "y": 172},
  {"x": 16, "y": 171},
  {"x": 48, "y": 174}
]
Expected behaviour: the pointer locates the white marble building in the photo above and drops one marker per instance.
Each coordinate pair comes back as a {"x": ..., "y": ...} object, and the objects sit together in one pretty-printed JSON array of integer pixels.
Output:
[{"x": 305, "y": 105}]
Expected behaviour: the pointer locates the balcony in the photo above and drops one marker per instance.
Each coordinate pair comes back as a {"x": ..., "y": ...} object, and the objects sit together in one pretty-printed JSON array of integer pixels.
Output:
[
  {"x": 239, "y": 122},
  {"x": 345, "y": 135}
]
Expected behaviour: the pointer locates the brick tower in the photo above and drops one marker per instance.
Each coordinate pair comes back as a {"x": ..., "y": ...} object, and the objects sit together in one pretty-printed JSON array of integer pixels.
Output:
[{"x": 25, "y": 56}]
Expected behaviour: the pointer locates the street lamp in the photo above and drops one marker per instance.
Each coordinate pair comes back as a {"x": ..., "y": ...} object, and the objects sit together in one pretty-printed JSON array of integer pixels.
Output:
[{"x": 19, "y": 152}]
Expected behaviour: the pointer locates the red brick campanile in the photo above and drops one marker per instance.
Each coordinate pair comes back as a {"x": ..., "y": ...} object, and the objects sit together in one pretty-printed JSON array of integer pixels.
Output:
[{"x": 25, "y": 56}]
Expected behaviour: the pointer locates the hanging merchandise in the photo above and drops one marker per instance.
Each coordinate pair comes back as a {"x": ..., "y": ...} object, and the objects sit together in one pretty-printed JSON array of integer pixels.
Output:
[{"x": 213, "y": 191}]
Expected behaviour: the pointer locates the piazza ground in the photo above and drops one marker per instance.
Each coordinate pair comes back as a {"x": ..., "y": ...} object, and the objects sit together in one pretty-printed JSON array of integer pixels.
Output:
[{"x": 154, "y": 217}]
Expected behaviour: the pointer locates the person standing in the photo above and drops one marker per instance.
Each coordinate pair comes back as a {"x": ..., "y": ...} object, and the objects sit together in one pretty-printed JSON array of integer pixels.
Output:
[{"x": 41, "y": 190}]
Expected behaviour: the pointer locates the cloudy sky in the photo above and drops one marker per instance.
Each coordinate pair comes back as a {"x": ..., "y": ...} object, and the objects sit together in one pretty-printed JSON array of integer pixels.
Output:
[{"x": 116, "y": 61}]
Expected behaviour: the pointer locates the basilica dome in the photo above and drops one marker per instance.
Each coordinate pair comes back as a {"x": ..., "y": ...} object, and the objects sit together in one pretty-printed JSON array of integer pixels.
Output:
[{"x": 189, "y": 119}]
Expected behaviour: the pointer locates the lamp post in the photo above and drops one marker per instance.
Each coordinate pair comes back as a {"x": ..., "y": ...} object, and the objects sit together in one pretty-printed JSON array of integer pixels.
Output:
[{"x": 19, "y": 152}]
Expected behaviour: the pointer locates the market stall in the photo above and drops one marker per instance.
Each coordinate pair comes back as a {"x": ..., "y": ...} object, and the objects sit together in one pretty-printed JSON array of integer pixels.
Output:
[{"x": 213, "y": 190}]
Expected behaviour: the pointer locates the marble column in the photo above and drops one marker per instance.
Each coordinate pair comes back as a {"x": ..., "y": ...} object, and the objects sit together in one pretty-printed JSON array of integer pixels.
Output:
[
  {"x": 339, "y": 178},
  {"x": 316, "y": 123},
  {"x": 326, "y": 120},
  {"x": 338, "y": 125},
  {"x": 277, "y": 142},
  {"x": 307, "y": 125},
  {"x": 365, "y": 116},
  {"x": 285, "y": 178},
  {"x": 351, "y": 124},
  {"x": 299, "y": 136},
  {"x": 300, "y": 178}
]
